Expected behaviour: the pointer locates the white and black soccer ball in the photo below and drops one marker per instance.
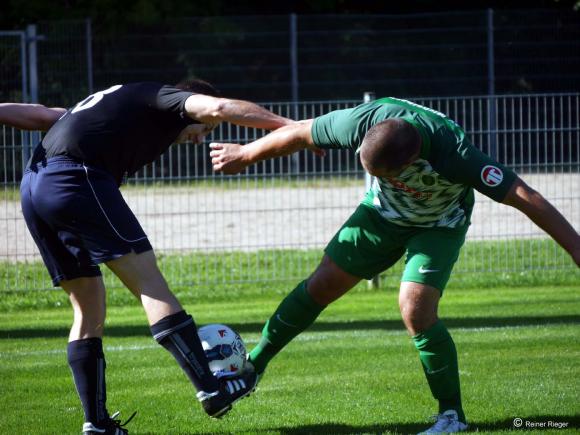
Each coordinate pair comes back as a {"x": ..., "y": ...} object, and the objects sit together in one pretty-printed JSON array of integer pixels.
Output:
[{"x": 224, "y": 348}]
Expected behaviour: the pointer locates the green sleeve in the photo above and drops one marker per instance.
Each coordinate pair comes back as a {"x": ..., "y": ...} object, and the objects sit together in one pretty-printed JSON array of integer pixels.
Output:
[
  {"x": 339, "y": 129},
  {"x": 464, "y": 163}
]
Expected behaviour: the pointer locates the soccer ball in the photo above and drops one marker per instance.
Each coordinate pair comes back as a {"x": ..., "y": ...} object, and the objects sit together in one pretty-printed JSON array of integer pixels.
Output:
[{"x": 224, "y": 348}]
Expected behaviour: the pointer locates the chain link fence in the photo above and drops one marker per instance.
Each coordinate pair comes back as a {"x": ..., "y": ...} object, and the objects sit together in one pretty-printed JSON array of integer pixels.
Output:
[
  {"x": 311, "y": 57},
  {"x": 308, "y": 57},
  {"x": 270, "y": 223}
]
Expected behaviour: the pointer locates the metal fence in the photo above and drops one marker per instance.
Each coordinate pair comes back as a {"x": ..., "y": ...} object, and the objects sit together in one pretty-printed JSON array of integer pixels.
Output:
[
  {"x": 270, "y": 223},
  {"x": 307, "y": 57}
]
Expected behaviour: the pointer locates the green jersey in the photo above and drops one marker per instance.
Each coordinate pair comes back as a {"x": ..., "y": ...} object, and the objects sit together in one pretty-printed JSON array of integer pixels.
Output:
[{"x": 437, "y": 189}]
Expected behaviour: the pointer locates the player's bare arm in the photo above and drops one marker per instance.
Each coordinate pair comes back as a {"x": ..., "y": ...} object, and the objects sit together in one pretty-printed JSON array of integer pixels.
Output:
[
  {"x": 213, "y": 110},
  {"x": 232, "y": 158},
  {"x": 545, "y": 215},
  {"x": 29, "y": 116}
]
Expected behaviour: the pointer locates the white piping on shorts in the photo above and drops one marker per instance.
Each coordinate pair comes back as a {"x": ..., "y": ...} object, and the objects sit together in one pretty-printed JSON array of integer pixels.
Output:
[{"x": 105, "y": 213}]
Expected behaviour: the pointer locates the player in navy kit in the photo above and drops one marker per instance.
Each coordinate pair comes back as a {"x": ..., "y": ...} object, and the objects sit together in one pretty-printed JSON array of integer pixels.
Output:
[{"x": 78, "y": 218}]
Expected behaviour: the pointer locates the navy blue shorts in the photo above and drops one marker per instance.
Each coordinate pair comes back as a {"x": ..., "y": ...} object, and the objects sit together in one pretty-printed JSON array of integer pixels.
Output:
[{"x": 77, "y": 217}]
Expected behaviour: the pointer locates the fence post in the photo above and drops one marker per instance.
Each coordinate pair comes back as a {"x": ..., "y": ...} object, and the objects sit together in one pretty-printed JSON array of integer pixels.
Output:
[
  {"x": 295, "y": 158},
  {"x": 32, "y": 39},
  {"x": 368, "y": 97},
  {"x": 491, "y": 102},
  {"x": 24, "y": 67},
  {"x": 32, "y": 61},
  {"x": 89, "y": 38},
  {"x": 24, "y": 135}
]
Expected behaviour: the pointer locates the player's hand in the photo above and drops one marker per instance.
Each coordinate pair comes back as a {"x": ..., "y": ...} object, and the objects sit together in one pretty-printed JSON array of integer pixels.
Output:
[{"x": 227, "y": 157}]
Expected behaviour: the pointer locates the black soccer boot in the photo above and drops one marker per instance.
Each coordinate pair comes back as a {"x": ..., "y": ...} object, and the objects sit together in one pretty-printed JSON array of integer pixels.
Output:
[
  {"x": 232, "y": 388},
  {"x": 108, "y": 427}
]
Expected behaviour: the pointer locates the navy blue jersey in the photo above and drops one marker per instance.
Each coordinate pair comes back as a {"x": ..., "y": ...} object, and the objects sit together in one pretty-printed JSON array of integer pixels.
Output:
[{"x": 120, "y": 129}]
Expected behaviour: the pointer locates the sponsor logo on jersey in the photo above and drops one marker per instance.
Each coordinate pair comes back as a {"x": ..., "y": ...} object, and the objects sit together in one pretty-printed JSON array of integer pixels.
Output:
[
  {"x": 491, "y": 175},
  {"x": 397, "y": 184},
  {"x": 428, "y": 180}
]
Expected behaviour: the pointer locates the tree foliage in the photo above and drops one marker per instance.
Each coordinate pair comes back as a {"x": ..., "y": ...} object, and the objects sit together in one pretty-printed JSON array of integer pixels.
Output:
[{"x": 115, "y": 14}]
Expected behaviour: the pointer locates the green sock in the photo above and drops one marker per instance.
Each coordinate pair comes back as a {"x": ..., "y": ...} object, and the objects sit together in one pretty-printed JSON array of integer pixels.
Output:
[
  {"x": 439, "y": 359},
  {"x": 296, "y": 313}
]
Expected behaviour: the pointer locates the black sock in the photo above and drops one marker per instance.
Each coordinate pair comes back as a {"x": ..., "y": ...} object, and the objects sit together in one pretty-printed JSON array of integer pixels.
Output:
[
  {"x": 87, "y": 363},
  {"x": 178, "y": 334}
]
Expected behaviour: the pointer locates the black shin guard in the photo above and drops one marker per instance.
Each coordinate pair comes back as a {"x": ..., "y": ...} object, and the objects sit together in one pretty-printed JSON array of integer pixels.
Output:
[{"x": 178, "y": 334}]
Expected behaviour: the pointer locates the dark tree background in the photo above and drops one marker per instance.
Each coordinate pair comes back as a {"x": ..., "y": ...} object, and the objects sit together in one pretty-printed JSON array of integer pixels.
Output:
[
  {"x": 413, "y": 48},
  {"x": 116, "y": 14}
]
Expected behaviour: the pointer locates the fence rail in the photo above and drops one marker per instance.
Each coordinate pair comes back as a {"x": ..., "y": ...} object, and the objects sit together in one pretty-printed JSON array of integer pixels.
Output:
[{"x": 212, "y": 229}]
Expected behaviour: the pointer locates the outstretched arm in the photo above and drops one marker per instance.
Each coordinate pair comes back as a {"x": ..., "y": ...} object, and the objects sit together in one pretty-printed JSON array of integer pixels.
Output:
[
  {"x": 29, "y": 116},
  {"x": 212, "y": 110},
  {"x": 233, "y": 158},
  {"x": 545, "y": 215}
]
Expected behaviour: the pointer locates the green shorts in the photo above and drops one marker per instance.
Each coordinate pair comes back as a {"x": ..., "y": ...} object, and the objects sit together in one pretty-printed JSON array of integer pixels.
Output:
[{"x": 367, "y": 245}]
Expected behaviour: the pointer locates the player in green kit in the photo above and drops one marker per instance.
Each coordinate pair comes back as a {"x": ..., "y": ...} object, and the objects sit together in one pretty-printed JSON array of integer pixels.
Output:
[{"x": 419, "y": 205}]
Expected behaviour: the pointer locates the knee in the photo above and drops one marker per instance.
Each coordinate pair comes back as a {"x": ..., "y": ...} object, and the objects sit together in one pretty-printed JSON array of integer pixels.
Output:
[
  {"x": 417, "y": 320},
  {"x": 322, "y": 286},
  {"x": 90, "y": 316},
  {"x": 320, "y": 281},
  {"x": 319, "y": 287},
  {"x": 329, "y": 282},
  {"x": 87, "y": 324},
  {"x": 418, "y": 306}
]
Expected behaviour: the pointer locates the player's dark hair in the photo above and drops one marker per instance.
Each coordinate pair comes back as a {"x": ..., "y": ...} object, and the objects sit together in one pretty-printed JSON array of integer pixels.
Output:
[
  {"x": 390, "y": 144},
  {"x": 198, "y": 86}
]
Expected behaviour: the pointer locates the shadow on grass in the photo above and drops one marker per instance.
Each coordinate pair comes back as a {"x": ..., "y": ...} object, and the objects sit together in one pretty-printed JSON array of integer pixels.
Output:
[
  {"x": 387, "y": 325},
  {"x": 413, "y": 428}
]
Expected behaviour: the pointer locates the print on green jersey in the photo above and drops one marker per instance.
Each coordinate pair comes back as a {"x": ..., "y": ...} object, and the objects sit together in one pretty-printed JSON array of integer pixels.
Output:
[{"x": 407, "y": 200}]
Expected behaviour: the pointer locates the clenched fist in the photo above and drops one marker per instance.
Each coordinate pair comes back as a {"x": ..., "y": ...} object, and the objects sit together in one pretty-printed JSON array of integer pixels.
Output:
[{"x": 228, "y": 158}]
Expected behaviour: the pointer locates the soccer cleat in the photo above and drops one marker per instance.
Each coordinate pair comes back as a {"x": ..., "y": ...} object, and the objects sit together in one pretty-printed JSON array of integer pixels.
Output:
[
  {"x": 447, "y": 422},
  {"x": 232, "y": 388},
  {"x": 108, "y": 427}
]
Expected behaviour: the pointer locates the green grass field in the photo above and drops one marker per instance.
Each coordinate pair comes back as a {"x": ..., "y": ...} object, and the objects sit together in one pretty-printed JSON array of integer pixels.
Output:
[{"x": 355, "y": 371}]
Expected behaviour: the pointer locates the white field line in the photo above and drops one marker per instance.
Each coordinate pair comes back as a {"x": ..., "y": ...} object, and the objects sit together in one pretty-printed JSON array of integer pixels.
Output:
[{"x": 308, "y": 336}]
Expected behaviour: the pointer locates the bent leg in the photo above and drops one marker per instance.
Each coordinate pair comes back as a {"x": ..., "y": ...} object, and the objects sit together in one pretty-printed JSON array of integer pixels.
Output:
[
  {"x": 170, "y": 325},
  {"x": 361, "y": 248},
  {"x": 300, "y": 309},
  {"x": 418, "y": 304},
  {"x": 85, "y": 348},
  {"x": 329, "y": 282},
  {"x": 140, "y": 274}
]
